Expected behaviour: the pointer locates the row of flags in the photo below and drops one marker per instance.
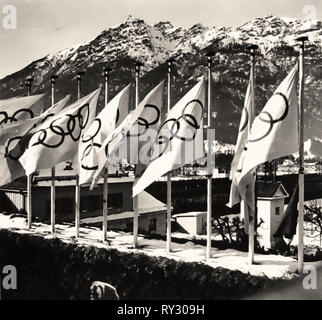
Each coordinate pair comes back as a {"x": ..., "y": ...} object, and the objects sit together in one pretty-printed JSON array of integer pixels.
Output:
[
  {"x": 64, "y": 132},
  {"x": 32, "y": 140}
]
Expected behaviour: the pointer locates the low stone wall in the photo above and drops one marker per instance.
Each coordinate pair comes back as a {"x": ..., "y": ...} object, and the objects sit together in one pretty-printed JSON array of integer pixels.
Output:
[{"x": 52, "y": 269}]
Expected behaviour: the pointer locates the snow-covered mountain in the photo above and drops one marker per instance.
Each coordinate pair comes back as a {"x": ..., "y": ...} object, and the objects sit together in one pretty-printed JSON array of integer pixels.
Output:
[{"x": 122, "y": 45}]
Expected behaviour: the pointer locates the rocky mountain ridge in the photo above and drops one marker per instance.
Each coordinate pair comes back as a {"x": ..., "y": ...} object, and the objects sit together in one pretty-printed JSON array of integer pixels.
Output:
[{"x": 122, "y": 45}]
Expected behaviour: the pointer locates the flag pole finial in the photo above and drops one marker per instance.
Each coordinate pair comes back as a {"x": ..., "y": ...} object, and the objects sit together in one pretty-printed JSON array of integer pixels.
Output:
[
  {"x": 53, "y": 82},
  {"x": 138, "y": 65},
  {"x": 252, "y": 48},
  {"x": 80, "y": 74},
  {"x": 302, "y": 39},
  {"x": 79, "y": 79},
  {"x": 170, "y": 62},
  {"x": 53, "y": 78},
  {"x": 209, "y": 56},
  {"x": 28, "y": 83},
  {"x": 106, "y": 71}
]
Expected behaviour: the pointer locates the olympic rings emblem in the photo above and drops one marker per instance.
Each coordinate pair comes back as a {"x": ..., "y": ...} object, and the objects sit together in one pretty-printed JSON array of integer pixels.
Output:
[
  {"x": 74, "y": 127},
  {"x": 89, "y": 147},
  {"x": 9, "y": 119},
  {"x": 270, "y": 119},
  {"x": 47, "y": 117},
  {"x": 147, "y": 123},
  {"x": 185, "y": 118}
]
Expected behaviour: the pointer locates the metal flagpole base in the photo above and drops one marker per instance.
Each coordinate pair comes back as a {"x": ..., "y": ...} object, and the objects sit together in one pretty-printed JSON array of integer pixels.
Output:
[
  {"x": 52, "y": 196},
  {"x": 135, "y": 221},
  {"x": 300, "y": 245},
  {"x": 169, "y": 186},
  {"x": 77, "y": 206},
  {"x": 29, "y": 201},
  {"x": 209, "y": 213},
  {"x": 251, "y": 240},
  {"x": 105, "y": 204}
]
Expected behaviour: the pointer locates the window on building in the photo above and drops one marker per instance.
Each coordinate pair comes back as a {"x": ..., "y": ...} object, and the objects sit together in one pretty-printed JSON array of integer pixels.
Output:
[
  {"x": 153, "y": 225},
  {"x": 115, "y": 200},
  {"x": 91, "y": 203},
  {"x": 277, "y": 211},
  {"x": 95, "y": 202},
  {"x": 63, "y": 206}
]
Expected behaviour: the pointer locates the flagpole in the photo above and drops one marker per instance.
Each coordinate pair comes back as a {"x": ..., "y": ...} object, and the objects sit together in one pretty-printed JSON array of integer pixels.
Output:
[
  {"x": 135, "y": 198},
  {"x": 209, "y": 176},
  {"x": 29, "y": 177},
  {"x": 301, "y": 156},
  {"x": 251, "y": 222},
  {"x": 77, "y": 187},
  {"x": 105, "y": 174},
  {"x": 169, "y": 184},
  {"x": 53, "y": 173},
  {"x": 79, "y": 83}
]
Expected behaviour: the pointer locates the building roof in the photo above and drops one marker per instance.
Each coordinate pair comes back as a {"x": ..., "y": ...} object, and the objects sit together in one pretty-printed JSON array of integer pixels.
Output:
[
  {"x": 270, "y": 190},
  {"x": 147, "y": 205},
  {"x": 190, "y": 214},
  {"x": 315, "y": 163},
  {"x": 68, "y": 178}
]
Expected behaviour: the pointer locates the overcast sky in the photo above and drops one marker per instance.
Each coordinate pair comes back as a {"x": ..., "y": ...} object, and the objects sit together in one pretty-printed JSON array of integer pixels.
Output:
[{"x": 46, "y": 26}]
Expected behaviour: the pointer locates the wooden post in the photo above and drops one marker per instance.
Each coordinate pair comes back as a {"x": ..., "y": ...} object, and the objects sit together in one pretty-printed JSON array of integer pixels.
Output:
[
  {"x": 169, "y": 184},
  {"x": 209, "y": 175},
  {"x": 251, "y": 222},
  {"x": 77, "y": 187},
  {"x": 105, "y": 174},
  {"x": 138, "y": 65},
  {"x": 53, "y": 173},
  {"x": 29, "y": 177},
  {"x": 301, "y": 156}
]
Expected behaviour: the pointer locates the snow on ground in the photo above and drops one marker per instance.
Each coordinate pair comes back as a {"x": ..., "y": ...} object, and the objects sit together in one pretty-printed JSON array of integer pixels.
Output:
[{"x": 272, "y": 266}]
